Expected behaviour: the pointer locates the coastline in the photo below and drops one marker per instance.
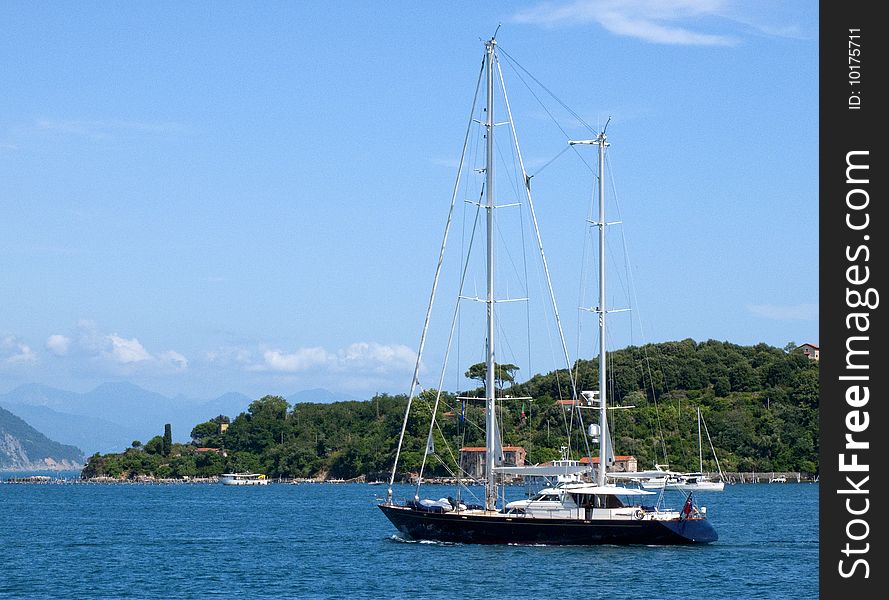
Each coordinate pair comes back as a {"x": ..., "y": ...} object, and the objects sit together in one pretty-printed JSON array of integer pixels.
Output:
[{"x": 40, "y": 477}]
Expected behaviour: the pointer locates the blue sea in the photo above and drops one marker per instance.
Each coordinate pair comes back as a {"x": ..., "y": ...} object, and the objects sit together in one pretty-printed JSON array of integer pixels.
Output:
[{"x": 331, "y": 541}]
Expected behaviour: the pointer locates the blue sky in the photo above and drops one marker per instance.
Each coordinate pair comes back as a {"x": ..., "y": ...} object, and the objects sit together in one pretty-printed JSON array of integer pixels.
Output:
[{"x": 209, "y": 197}]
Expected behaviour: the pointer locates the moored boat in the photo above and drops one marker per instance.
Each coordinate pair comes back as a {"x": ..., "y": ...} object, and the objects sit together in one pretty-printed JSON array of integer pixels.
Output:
[{"x": 243, "y": 479}]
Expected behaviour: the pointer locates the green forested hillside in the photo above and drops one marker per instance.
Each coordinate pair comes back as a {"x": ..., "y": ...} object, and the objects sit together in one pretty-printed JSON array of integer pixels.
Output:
[{"x": 760, "y": 404}]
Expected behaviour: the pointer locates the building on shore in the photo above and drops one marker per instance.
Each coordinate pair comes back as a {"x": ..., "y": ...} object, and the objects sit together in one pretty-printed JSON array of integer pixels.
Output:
[
  {"x": 472, "y": 460},
  {"x": 810, "y": 350}
]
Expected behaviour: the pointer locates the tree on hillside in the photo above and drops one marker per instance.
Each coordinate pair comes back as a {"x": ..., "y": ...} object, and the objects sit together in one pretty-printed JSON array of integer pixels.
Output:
[
  {"x": 760, "y": 403},
  {"x": 203, "y": 432},
  {"x": 168, "y": 440},
  {"x": 502, "y": 373},
  {"x": 155, "y": 445},
  {"x": 261, "y": 427}
]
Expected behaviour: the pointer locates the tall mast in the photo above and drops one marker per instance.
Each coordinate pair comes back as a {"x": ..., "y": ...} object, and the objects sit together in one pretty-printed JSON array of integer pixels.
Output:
[
  {"x": 490, "y": 421},
  {"x": 603, "y": 409},
  {"x": 700, "y": 451}
]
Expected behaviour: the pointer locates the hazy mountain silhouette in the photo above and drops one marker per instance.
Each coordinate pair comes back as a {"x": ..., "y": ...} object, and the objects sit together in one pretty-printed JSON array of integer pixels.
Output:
[{"x": 111, "y": 416}]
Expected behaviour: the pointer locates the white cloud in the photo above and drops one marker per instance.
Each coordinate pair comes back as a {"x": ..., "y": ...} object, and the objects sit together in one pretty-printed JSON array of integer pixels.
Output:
[
  {"x": 88, "y": 338},
  {"x": 229, "y": 356},
  {"x": 785, "y": 312},
  {"x": 173, "y": 359},
  {"x": 112, "y": 353},
  {"x": 13, "y": 351},
  {"x": 304, "y": 359},
  {"x": 358, "y": 358},
  {"x": 377, "y": 358},
  {"x": 649, "y": 20},
  {"x": 360, "y": 367},
  {"x": 126, "y": 351},
  {"x": 58, "y": 344}
]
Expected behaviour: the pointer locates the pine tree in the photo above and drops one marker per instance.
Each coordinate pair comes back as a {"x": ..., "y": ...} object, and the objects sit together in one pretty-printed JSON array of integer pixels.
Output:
[{"x": 168, "y": 440}]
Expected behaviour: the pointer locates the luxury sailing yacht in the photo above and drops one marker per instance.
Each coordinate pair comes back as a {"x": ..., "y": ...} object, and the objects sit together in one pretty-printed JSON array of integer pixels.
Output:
[{"x": 573, "y": 511}]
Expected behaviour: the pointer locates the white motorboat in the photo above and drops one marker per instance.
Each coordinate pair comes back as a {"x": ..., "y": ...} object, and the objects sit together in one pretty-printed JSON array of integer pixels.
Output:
[{"x": 243, "y": 479}]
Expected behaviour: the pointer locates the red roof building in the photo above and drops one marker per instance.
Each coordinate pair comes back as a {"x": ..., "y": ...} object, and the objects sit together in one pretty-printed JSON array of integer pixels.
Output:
[
  {"x": 624, "y": 464},
  {"x": 810, "y": 350},
  {"x": 472, "y": 459}
]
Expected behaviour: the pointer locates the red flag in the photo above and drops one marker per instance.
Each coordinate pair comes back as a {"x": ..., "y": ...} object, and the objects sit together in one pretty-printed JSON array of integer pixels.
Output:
[{"x": 686, "y": 510}]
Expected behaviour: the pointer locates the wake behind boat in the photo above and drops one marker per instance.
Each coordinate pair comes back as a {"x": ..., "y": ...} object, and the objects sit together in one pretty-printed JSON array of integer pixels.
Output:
[{"x": 572, "y": 511}]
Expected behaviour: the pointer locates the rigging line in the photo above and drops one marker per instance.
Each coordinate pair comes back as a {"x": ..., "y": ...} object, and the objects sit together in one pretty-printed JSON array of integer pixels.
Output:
[
  {"x": 461, "y": 431},
  {"x": 414, "y": 379},
  {"x": 527, "y": 286},
  {"x": 473, "y": 424},
  {"x": 433, "y": 421},
  {"x": 507, "y": 167},
  {"x": 712, "y": 449},
  {"x": 504, "y": 339},
  {"x": 540, "y": 242},
  {"x": 447, "y": 468},
  {"x": 550, "y": 329},
  {"x": 551, "y": 161},
  {"x": 512, "y": 182},
  {"x": 450, "y": 452},
  {"x": 450, "y": 338},
  {"x": 612, "y": 422},
  {"x": 623, "y": 239},
  {"x": 463, "y": 486},
  {"x": 512, "y": 262},
  {"x": 435, "y": 454},
  {"x": 587, "y": 242},
  {"x": 445, "y": 442},
  {"x": 536, "y": 226},
  {"x": 455, "y": 324},
  {"x": 549, "y": 326},
  {"x": 624, "y": 285},
  {"x": 654, "y": 396},
  {"x": 548, "y": 91},
  {"x": 456, "y": 473},
  {"x": 465, "y": 252},
  {"x": 547, "y": 111},
  {"x": 631, "y": 285},
  {"x": 473, "y": 159},
  {"x": 553, "y": 119}
]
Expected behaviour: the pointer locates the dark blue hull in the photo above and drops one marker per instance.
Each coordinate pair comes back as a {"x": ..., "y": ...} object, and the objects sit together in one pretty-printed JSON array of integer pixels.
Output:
[{"x": 498, "y": 529}]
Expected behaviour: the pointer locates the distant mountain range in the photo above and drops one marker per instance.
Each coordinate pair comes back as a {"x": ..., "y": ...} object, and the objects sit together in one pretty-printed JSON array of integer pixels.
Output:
[
  {"x": 110, "y": 417},
  {"x": 23, "y": 447}
]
